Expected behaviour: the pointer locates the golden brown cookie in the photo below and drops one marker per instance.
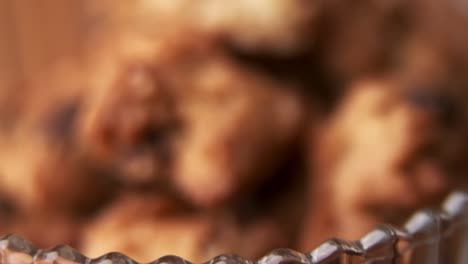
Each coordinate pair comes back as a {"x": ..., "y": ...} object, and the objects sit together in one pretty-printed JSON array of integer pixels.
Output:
[
  {"x": 144, "y": 228},
  {"x": 185, "y": 112},
  {"x": 381, "y": 156}
]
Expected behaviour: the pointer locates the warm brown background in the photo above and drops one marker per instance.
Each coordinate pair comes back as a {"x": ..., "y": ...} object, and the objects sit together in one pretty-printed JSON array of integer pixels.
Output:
[{"x": 34, "y": 34}]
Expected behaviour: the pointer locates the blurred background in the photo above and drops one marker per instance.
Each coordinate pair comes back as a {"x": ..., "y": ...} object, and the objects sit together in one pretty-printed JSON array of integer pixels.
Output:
[{"x": 195, "y": 128}]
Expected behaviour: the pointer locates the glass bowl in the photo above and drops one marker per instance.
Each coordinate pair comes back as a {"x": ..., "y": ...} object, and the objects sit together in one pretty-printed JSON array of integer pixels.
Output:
[{"x": 428, "y": 237}]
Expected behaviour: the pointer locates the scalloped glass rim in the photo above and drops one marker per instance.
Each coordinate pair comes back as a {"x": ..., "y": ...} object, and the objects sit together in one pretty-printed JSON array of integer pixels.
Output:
[{"x": 429, "y": 228}]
